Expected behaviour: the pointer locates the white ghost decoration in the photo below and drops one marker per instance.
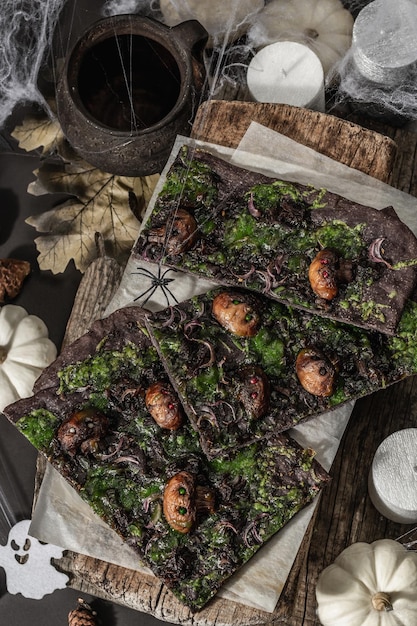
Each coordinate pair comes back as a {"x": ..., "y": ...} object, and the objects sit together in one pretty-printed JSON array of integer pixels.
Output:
[{"x": 27, "y": 563}]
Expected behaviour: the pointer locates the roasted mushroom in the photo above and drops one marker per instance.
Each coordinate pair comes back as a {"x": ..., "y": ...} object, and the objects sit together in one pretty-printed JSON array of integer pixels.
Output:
[
  {"x": 254, "y": 391},
  {"x": 315, "y": 372},
  {"x": 179, "y": 509},
  {"x": 178, "y": 235},
  {"x": 163, "y": 404},
  {"x": 183, "y": 499},
  {"x": 82, "y": 431},
  {"x": 236, "y": 313},
  {"x": 322, "y": 274}
]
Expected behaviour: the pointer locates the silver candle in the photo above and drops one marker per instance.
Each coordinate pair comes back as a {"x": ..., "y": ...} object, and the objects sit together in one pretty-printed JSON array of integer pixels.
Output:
[{"x": 384, "y": 41}]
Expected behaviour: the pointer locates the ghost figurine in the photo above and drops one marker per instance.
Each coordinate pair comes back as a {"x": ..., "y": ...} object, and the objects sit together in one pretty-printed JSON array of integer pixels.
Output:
[{"x": 27, "y": 563}]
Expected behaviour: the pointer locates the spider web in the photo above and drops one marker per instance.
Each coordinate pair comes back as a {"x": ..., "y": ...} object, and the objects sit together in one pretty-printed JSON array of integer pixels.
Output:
[
  {"x": 37, "y": 34},
  {"x": 51, "y": 27},
  {"x": 26, "y": 31}
]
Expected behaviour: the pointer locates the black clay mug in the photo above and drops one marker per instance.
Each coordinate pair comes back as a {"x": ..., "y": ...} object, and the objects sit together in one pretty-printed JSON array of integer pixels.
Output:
[{"x": 129, "y": 86}]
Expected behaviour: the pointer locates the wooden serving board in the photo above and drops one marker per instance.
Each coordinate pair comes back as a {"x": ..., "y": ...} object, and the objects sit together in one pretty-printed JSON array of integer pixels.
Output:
[
  {"x": 345, "y": 513},
  {"x": 225, "y": 123}
]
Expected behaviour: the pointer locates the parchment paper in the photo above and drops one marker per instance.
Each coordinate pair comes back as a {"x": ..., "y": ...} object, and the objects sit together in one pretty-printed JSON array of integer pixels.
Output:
[{"x": 61, "y": 517}]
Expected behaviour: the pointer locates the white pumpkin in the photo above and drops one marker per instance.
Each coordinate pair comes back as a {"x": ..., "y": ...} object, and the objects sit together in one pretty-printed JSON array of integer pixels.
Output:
[
  {"x": 25, "y": 350},
  {"x": 221, "y": 18},
  {"x": 369, "y": 585},
  {"x": 325, "y": 26}
]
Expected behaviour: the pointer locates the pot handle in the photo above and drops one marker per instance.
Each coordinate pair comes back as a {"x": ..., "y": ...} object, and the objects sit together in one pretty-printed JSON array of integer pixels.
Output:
[{"x": 193, "y": 36}]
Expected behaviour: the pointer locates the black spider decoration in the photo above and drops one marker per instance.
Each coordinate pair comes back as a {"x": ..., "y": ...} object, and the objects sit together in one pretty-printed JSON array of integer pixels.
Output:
[{"x": 158, "y": 281}]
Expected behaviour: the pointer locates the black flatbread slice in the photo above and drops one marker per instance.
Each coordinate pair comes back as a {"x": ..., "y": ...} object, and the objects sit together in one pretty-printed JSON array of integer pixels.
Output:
[
  {"x": 262, "y": 234},
  {"x": 215, "y": 372},
  {"x": 122, "y": 464}
]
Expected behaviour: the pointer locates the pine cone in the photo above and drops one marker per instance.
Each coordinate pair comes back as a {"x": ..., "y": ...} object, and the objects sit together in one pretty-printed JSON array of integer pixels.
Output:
[
  {"x": 12, "y": 274},
  {"x": 83, "y": 615}
]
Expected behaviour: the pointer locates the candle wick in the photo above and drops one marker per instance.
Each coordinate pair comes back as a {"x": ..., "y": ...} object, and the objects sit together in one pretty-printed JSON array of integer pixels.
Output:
[{"x": 284, "y": 72}]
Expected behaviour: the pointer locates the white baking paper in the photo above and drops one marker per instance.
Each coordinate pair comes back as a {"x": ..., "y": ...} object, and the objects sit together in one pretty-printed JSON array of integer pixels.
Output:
[{"x": 60, "y": 516}]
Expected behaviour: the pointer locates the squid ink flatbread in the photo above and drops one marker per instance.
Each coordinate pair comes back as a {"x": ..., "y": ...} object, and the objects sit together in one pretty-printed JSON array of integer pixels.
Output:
[
  {"x": 246, "y": 366},
  {"x": 192, "y": 520},
  {"x": 302, "y": 246}
]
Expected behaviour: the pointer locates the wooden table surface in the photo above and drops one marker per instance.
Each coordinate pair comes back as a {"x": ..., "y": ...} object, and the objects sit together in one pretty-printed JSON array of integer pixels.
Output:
[{"x": 345, "y": 513}]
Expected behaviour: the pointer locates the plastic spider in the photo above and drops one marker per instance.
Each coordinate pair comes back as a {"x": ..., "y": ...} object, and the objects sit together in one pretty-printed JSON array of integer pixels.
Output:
[{"x": 158, "y": 281}]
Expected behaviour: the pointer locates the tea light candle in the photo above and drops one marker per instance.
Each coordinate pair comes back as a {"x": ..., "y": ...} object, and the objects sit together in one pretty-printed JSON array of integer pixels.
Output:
[
  {"x": 393, "y": 477},
  {"x": 384, "y": 42},
  {"x": 289, "y": 73}
]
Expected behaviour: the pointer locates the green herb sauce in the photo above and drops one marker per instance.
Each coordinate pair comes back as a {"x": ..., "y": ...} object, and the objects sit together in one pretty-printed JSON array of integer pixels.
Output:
[
  {"x": 269, "y": 351},
  {"x": 99, "y": 370},
  {"x": 206, "y": 382},
  {"x": 246, "y": 231},
  {"x": 39, "y": 427},
  {"x": 404, "y": 343},
  {"x": 242, "y": 464},
  {"x": 193, "y": 182},
  {"x": 267, "y": 196},
  {"x": 347, "y": 241}
]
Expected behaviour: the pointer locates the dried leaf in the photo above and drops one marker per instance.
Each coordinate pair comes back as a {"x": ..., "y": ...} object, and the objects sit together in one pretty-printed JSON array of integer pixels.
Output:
[
  {"x": 36, "y": 132},
  {"x": 99, "y": 202},
  {"x": 70, "y": 228},
  {"x": 12, "y": 274}
]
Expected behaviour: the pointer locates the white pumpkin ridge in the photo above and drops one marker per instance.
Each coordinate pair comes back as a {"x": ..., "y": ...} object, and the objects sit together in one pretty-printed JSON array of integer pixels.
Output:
[
  {"x": 369, "y": 585},
  {"x": 25, "y": 350},
  {"x": 323, "y": 25}
]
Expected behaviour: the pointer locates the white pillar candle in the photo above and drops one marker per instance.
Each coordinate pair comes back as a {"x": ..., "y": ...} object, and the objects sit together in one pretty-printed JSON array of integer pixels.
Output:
[
  {"x": 393, "y": 477},
  {"x": 384, "y": 41},
  {"x": 287, "y": 72}
]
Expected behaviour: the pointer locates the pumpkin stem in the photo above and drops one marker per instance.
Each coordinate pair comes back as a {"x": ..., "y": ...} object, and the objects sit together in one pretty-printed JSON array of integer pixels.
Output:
[
  {"x": 3, "y": 354},
  {"x": 381, "y": 601},
  {"x": 311, "y": 33}
]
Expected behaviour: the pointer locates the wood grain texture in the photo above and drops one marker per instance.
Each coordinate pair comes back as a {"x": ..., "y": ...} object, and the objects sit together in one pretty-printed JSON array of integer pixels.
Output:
[
  {"x": 345, "y": 513},
  {"x": 368, "y": 151},
  {"x": 95, "y": 291},
  {"x": 404, "y": 171}
]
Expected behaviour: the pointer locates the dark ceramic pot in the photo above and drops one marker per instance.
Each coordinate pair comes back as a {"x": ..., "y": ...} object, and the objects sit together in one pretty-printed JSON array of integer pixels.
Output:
[{"x": 128, "y": 87}]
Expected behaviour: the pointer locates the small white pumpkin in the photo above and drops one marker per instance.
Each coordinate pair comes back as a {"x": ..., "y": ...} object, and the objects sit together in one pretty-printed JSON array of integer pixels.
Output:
[
  {"x": 25, "y": 350},
  {"x": 221, "y": 18},
  {"x": 369, "y": 585},
  {"x": 325, "y": 26}
]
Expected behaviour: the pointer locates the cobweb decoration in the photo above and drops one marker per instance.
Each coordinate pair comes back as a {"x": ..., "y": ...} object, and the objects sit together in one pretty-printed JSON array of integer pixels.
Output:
[
  {"x": 379, "y": 72},
  {"x": 26, "y": 30},
  {"x": 224, "y": 20},
  {"x": 227, "y": 55},
  {"x": 120, "y": 7},
  {"x": 379, "y": 101}
]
